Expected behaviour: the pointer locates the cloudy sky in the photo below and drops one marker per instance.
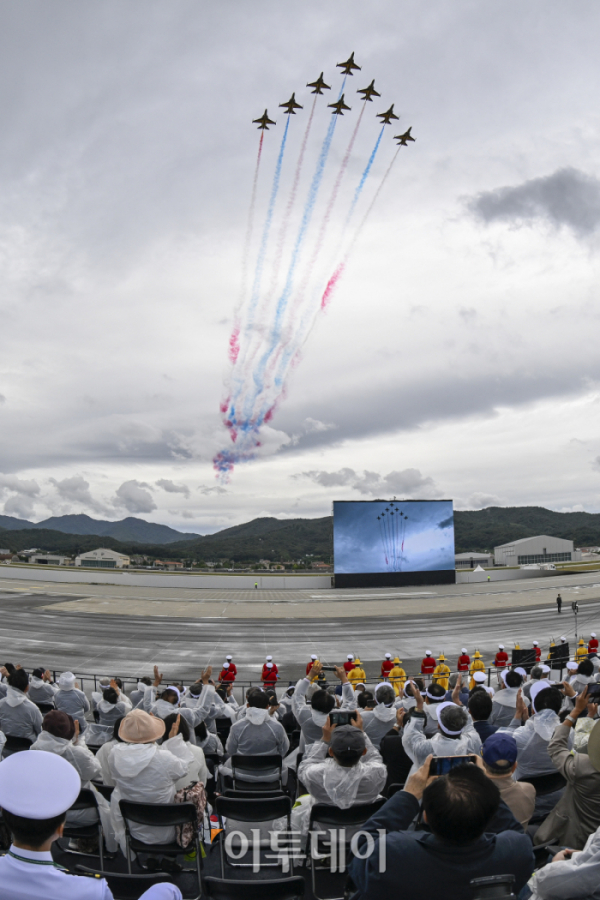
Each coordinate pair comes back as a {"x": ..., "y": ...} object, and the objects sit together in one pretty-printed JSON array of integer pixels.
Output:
[{"x": 459, "y": 355}]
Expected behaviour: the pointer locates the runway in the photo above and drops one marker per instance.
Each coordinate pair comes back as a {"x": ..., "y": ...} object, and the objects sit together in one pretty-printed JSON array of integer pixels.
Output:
[{"x": 57, "y": 629}]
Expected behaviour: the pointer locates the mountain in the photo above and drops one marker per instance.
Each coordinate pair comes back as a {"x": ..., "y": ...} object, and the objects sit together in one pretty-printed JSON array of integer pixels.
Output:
[
  {"x": 265, "y": 538},
  {"x": 129, "y": 529},
  {"x": 484, "y": 529}
]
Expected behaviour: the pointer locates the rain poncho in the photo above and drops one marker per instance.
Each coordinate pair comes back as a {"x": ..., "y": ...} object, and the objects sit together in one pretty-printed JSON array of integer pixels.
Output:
[
  {"x": 576, "y": 879},
  {"x": 532, "y": 743},
  {"x": 108, "y": 713},
  {"x": 19, "y": 717},
  {"x": 40, "y": 691},
  {"x": 311, "y": 722},
  {"x": 503, "y": 707},
  {"x": 418, "y": 747},
  {"x": 144, "y": 773},
  {"x": 211, "y": 744},
  {"x": 377, "y": 722},
  {"x": 431, "y": 722},
  {"x": 257, "y": 734},
  {"x": 335, "y": 785},
  {"x": 75, "y": 703},
  {"x": 204, "y": 711},
  {"x": 193, "y": 757}
]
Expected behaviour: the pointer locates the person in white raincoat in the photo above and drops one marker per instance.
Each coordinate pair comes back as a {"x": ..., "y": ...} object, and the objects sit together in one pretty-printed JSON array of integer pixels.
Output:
[
  {"x": 41, "y": 687},
  {"x": 181, "y": 747},
  {"x": 169, "y": 701},
  {"x": 71, "y": 700},
  {"x": 505, "y": 700},
  {"x": 144, "y": 772},
  {"x": 572, "y": 874},
  {"x": 377, "y": 722},
  {"x": 18, "y": 715},
  {"x": 533, "y": 737},
  {"x": 343, "y": 769},
  {"x": 136, "y": 697},
  {"x": 312, "y": 718},
  {"x": 456, "y": 735},
  {"x": 112, "y": 705},
  {"x": 103, "y": 753},
  {"x": 60, "y": 735},
  {"x": 259, "y": 733}
]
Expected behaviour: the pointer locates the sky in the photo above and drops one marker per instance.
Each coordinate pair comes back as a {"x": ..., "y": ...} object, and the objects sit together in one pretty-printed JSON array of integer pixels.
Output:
[{"x": 458, "y": 355}]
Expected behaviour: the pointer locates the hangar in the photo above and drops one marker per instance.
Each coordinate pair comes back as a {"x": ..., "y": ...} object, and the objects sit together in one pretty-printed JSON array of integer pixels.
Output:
[{"x": 539, "y": 549}]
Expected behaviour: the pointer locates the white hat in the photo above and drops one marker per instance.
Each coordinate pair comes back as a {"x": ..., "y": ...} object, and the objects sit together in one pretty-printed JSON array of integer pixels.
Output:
[
  {"x": 479, "y": 677},
  {"x": 428, "y": 653},
  {"x": 520, "y": 671},
  {"x": 503, "y": 675},
  {"x": 351, "y": 656},
  {"x": 563, "y": 638},
  {"x": 464, "y": 650},
  {"x": 592, "y": 634},
  {"x": 438, "y": 711},
  {"x": 269, "y": 665},
  {"x": 535, "y": 644},
  {"x": 536, "y": 688},
  {"x": 38, "y": 785},
  {"x": 66, "y": 682},
  {"x": 228, "y": 658},
  {"x": 500, "y": 646},
  {"x": 388, "y": 655},
  {"x": 572, "y": 666},
  {"x": 545, "y": 669},
  {"x": 268, "y": 658},
  {"x": 225, "y": 665},
  {"x": 313, "y": 656}
]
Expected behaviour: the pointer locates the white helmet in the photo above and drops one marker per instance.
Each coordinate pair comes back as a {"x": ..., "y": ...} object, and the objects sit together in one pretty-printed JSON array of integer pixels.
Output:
[
  {"x": 535, "y": 644},
  {"x": 500, "y": 646},
  {"x": 268, "y": 658},
  {"x": 593, "y": 634},
  {"x": 388, "y": 655},
  {"x": 351, "y": 656},
  {"x": 225, "y": 665},
  {"x": 313, "y": 656},
  {"x": 428, "y": 653},
  {"x": 464, "y": 650}
]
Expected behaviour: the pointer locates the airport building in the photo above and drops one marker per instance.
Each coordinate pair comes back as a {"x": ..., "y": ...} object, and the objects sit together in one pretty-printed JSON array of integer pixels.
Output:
[
  {"x": 471, "y": 560},
  {"x": 103, "y": 559},
  {"x": 535, "y": 550},
  {"x": 49, "y": 559}
]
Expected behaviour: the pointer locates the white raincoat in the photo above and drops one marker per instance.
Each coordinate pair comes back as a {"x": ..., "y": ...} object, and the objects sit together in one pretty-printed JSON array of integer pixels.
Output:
[
  {"x": 193, "y": 757},
  {"x": 418, "y": 747},
  {"x": 575, "y": 879},
  {"x": 532, "y": 743},
  {"x": 74, "y": 702},
  {"x": 257, "y": 734},
  {"x": 19, "y": 717},
  {"x": 40, "y": 691},
  {"x": 145, "y": 773},
  {"x": 503, "y": 707},
  {"x": 311, "y": 722},
  {"x": 377, "y": 722}
]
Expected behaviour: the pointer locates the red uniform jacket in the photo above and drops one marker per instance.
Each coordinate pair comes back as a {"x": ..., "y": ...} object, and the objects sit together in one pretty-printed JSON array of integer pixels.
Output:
[
  {"x": 269, "y": 676},
  {"x": 348, "y": 666},
  {"x": 593, "y": 645},
  {"x": 501, "y": 659},
  {"x": 386, "y": 666},
  {"x": 226, "y": 675},
  {"x": 463, "y": 663},
  {"x": 428, "y": 665},
  {"x": 538, "y": 653},
  {"x": 309, "y": 665},
  {"x": 233, "y": 668}
]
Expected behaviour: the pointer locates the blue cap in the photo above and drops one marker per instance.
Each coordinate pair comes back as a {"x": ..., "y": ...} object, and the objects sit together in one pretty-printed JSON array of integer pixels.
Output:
[{"x": 500, "y": 751}]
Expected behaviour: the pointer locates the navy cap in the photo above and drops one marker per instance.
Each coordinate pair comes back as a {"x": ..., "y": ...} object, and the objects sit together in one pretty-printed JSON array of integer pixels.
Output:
[{"x": 500, "y": 751}]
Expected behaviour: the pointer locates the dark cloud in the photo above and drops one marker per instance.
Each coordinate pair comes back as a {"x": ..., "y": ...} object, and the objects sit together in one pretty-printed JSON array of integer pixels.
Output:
[
  {"x": 172, "y": 488},
  {"x": 77, "y": 490},
  {"x": 407, "y": 483},
  {"x": 134, "y": 497},
  {"x": 567, "y": 197}
]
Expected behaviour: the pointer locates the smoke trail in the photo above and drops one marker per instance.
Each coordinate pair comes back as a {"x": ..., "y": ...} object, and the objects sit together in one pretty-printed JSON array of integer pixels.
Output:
[
  {"x": 365, "y": 175},
  {"x": 331, "y": 285}
]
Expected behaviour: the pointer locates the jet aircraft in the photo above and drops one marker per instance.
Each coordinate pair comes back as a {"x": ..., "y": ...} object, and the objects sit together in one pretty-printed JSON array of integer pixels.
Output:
[
  {"x": 319, "y": 85},
  {"x": 291, "y": 106},
  {"x": 369, "y": 92},
  {"x": 263, "y": 122},
  {"x": 347, "y": 66},
  {"x": 403, "y": 139},
  {"x": 338, "y": 107},
  {"x": 387, "y": 117}
]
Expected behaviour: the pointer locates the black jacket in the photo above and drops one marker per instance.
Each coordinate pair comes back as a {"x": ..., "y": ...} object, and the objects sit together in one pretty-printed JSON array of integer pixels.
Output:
[
  {"x": 418, "y": 864},
  {"x": 484, "y": 729}
]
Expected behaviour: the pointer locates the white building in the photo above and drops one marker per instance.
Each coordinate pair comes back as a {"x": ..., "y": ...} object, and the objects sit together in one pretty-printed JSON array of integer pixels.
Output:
[
  {"x": 540, "y": 549},
  {"x": 470, "y": 560},
  {"x": 103, "y": 559},
  {"x": 49, "y": 559}
]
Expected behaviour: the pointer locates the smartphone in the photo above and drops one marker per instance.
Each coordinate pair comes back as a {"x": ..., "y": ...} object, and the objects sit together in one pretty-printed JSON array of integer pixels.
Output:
[
  {"x": 593, "y": 694},
  {"x": 441, "y": 765},
  {"x": 328, "y": 668},
  {"x": 341, "y": 717}
]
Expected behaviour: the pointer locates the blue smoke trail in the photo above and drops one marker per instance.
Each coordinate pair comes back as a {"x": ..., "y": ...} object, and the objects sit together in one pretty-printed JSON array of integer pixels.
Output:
[
  {"x": 365, "y": 174},
  {"x": 266, "y": 229}
]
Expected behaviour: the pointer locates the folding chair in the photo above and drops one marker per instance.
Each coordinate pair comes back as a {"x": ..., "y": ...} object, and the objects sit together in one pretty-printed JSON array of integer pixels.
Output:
[
  {"x": 255, "y": 765},
  {"x": 15, "y": 744},
  {"x": 333, "y": 818},
  {"x": 280, "y": 889},
  {"x": 85, "y": 800},
  {"x": 252, "y": 795},
  {"x": 393, "y": 789},
  {"x": 124, "y": 886},
  {"x": 223, "y": 725},
  {"x": 104, "y": 789},
  {"x": 44, "y": 707},
  {"x": 253, "y": 811},
  {"x": 546, "y": 784},
  {"x": 160, "y": 815}
]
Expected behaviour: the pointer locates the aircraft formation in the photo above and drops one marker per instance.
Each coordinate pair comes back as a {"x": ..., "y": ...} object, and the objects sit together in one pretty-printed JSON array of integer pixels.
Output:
[{"x": 302, "y": 249}]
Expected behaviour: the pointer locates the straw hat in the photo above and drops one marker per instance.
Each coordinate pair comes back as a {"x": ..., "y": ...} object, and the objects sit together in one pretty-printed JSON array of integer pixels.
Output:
[
  {"x": 441, "y": 658},
  {"x": 138, "y": 727},
  {"x": 477, "y": 655},
  {"x": 397, "y": 661}
]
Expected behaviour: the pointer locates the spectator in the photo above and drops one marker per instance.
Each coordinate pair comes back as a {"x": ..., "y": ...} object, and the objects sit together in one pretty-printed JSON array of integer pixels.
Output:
[
  {"x": 71, "y": 700},
  {"x": 181, "y": 747},
  {"x": 365, "y": 700},
  {"x": 112, "y": 706},
  {"x": 457, "y": 807},
  {"x": 36, "y": 790},
  {"x": 143, "y": 772},
  {"x": 433, "y": 696},
  {"x": 505, "y": 699},
  {"x": 533, "y": 738},
  {"x": 480, "y": 708},
  {"x": 397, "y": 762},
  {"x": 170, "y": 698},
  {"x": 479, "y": 681},
  {"x": 137, "y": 696},
  {"x": 577, "y": 813},
  {"x": 104, "y": 752},
  {"x": 312, "y": 718},
  {"x": 584, "y": 675},
  {"x": 500, "y": 761},
  {"x": 408, "y": 701},
  {"x": 455, "y": 736},
  {"x": 208, "y": 742},
  {"x": 464, "y": 690},
  {"x": 377, "y": 722},
  {"x": 537, "y": 673},
  {"x": 19, "y": 717},
  {"x": 572, "y": 874},
  {"x": 41, "y": 687},
  {"x": 257, "y": 734}
]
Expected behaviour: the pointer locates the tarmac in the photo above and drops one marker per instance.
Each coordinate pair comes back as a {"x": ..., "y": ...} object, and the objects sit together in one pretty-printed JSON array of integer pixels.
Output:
[{"x": 110, "y": 629}]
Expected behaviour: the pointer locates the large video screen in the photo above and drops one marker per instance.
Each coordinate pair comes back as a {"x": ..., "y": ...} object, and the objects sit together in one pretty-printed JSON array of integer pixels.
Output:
[{"x": 378, "y": 543}]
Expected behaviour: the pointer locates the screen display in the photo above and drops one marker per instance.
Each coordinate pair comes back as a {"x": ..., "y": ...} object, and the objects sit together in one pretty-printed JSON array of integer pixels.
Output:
[{"x": 393, "y": 537}]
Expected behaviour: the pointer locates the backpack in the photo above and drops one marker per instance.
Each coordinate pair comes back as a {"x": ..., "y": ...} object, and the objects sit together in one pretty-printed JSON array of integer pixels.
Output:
[{"x": 196, "y": 795}]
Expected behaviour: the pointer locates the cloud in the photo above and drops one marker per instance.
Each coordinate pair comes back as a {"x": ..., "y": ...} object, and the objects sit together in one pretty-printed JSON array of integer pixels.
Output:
[
  {"x": 167, "y": 485},
  {"x": 312, "y": 425},
  {"x": 406, "y": 483},
  {"x": 567, "y": 197},
  {"x": 479, "y": 500},
  {"x": 133, "y": 496},
  {"x": 77, "y": 490},
  {"x": 27, "y": 487},
  {"x": 215, "y": 489},
  {"x": 19, "y": 505}
]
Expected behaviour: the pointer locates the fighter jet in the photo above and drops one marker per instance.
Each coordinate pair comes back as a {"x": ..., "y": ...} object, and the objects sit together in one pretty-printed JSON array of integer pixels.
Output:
[
  {"x": 403, "y": 139},
  {"x": 291, "y": 106},
  {"x": 347, "y": 66},
  {"x": 369, "y": 92},
  {"x": 387, "y": 117},
  {"x": 263, "y": 122},
  {"x": 338, "y": 107},
  {"x": 319, "y": 85}
]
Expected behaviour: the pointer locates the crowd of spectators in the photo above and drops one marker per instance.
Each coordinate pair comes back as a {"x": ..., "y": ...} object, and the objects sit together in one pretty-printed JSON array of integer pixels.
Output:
[{"x": 469, "y": 781}]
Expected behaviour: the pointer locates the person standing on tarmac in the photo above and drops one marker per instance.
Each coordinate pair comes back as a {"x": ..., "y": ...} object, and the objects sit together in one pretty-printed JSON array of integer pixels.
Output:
[
  {"x": 464, "y": 661},
  {"x": 397, "y": 676},
  {"x": 349, "y": 664},
  {"x": 477, "y": 665},
  {"x": 269, "y": 673},
  {"x": 559, "y": 603},
  {"x": 313, "y": 659},
  {"x": 538, "y": 652},
  {"x": 386, "y": 665},
  {"x": 357, "y": 674},
  {"x": 593, "y": 643},
  {"x": 501, "y": 660},
  {"x": 427, "y": 664},
  {"x": 441, "y": 673}
]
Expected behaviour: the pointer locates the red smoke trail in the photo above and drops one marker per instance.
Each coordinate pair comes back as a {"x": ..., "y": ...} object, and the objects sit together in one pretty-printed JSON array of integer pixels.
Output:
[
  {"x": 234, "y": 345},
  {"x": 331, "y": 285}
]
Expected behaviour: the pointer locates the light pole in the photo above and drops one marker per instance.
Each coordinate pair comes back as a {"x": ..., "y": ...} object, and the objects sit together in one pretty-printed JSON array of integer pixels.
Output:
[{"x": 575, "y": 609}]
